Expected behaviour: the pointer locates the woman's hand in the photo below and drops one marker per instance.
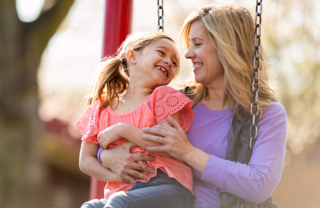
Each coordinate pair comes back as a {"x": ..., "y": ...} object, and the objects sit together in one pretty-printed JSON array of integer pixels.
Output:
[
  {"x": 173, "y": 139},
  {"x": 108, "y": 135},
  {"x": 129, "y": 166},
  {"x": 175, "y": 142}
]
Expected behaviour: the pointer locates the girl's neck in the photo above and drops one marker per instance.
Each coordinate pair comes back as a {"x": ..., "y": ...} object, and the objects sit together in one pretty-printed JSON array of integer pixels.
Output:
[{"x": 136, "y": 91}]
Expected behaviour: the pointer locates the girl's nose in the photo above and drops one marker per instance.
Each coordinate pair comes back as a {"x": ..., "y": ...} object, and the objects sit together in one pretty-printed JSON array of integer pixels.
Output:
[{"x": 169, "y": 62}]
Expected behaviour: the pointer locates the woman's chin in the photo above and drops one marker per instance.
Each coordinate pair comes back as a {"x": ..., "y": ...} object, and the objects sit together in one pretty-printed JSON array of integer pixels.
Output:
[{"x": 199, "y": 80}]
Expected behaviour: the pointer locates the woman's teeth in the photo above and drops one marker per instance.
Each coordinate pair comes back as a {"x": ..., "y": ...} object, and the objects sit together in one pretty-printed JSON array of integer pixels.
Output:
[{"x": 196, "y": 66}]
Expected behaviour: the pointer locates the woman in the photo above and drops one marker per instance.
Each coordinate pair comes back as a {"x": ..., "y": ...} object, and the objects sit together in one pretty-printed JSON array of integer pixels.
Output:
[{"x": 220, "y": 42}]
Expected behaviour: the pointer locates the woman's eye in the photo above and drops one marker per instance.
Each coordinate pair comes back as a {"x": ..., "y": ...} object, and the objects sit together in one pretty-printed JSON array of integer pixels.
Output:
[
  {"x": 197, "y": 44},
  {"x": 175, "y": 64}
]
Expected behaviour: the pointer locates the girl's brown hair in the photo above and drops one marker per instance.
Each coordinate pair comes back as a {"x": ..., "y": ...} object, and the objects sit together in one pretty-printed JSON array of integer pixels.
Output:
[
  {"x": 114, "y": 78},
  {"x": 232, "y": 31}
]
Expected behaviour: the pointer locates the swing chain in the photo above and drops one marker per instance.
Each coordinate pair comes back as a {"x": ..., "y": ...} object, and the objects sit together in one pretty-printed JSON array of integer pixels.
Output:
[
  {"x": 160, "y": 16},
  {"x": 254, "y": 108}
]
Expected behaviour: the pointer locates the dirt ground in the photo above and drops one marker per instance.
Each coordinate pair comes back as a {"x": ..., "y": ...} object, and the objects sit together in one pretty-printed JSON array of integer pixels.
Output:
[{"x": 299, "y": 186}]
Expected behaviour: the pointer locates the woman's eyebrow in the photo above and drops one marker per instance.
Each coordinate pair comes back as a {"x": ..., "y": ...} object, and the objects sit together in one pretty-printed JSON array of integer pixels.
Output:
[{"x": 193, "y": 39}]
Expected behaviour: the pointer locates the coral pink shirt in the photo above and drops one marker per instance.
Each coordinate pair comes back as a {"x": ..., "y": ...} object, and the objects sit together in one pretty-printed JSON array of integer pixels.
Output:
[{"x": 163, "y": 102}]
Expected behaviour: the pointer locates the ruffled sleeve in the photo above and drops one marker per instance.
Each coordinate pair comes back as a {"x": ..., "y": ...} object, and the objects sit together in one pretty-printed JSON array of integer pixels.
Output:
[
  {"x": 166, "y": 101},
  {"x": 88, "y": 123}
]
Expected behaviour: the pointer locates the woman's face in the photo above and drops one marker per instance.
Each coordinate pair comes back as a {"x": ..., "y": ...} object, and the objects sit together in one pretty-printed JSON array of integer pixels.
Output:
[{"x": 207, "y": 67}]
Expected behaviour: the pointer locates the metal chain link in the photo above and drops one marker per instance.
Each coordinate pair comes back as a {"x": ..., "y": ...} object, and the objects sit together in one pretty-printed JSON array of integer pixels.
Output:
[
  {"x": 160, "y": 16},
  {"x": 254, "y": 108}
]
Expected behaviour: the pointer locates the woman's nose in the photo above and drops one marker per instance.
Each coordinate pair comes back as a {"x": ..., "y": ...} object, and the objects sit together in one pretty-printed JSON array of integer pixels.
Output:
[{"x": 189, "y": 54}]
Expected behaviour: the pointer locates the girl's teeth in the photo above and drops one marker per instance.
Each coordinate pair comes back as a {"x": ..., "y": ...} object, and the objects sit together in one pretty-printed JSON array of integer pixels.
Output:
[{"x": 164, "y": 71}]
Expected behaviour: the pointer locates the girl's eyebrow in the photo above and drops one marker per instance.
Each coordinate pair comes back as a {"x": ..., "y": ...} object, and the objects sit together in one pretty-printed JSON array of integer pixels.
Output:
[
  {"x": 175, "y": 59},
  {"x": 162, "y": 47}
]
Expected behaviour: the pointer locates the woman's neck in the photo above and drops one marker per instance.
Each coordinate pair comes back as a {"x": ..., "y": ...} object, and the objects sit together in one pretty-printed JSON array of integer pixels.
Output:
[{"x": 217, "y": 99}]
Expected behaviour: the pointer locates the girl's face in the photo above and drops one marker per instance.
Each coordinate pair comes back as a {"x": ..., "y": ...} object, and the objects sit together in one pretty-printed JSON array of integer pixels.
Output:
[
  {"x": 207, "y": 67},
  {"x": 156, "y": 64}
]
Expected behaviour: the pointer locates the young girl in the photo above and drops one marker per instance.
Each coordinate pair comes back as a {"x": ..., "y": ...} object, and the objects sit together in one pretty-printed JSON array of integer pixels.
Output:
[{"x": 121, "y": 107}]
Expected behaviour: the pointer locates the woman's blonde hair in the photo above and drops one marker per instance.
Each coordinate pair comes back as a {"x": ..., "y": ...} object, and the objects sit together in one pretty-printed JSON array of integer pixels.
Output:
[
  {"x": 114, "y": 78},
  {"x": 232, "y": 31}
]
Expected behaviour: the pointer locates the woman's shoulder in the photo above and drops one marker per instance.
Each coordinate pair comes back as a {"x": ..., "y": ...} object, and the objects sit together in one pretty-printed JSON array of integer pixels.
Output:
[
  {"x": 275, "y": 113},
  {"x": 275, "y": 108}
]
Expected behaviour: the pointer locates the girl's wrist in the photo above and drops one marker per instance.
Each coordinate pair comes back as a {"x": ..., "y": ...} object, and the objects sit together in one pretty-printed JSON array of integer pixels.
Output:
[{"x": 120, "y": 129}]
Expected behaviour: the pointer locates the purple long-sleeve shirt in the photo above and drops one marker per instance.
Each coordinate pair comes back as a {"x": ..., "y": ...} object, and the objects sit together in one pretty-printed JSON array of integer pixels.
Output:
[{"x": 254, "y": 182}]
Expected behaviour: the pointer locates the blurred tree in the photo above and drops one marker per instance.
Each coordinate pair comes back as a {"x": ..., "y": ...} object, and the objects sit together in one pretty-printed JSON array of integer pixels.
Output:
[
  {"x": 22, "y": 174},
  {"x": 292, "y": 33}
]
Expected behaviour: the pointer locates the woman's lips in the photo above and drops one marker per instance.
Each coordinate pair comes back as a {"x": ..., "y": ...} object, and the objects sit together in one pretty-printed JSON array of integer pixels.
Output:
[{"x": 197, "y": 66}]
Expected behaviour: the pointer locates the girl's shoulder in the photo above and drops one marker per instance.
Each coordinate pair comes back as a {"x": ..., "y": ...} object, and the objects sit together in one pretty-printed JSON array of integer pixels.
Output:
[
  {"x": 165, "y": 93},
  {"x": 164, "y": 88}
]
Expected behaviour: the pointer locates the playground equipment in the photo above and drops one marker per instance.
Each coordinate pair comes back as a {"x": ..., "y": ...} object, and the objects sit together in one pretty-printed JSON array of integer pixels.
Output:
[{"x": 117, "y": 25}]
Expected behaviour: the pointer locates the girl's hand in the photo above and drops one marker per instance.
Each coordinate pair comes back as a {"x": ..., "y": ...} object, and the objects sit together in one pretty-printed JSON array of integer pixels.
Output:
[
  {"x": 109, "y": 135},
  {"x": 173, "y": 139},
  {"x": 129, "y": 166}
]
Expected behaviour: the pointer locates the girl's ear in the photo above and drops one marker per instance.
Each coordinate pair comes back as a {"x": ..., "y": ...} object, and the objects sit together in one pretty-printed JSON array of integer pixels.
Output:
[{"x": 131, "y": 56}]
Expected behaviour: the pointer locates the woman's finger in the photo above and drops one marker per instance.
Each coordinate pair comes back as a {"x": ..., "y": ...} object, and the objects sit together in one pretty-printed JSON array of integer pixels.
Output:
[
  {"x": 160, "y": 130},
  {"x": 137, "y": 174},
  {"x": 156, "y": 149},
  {"x": 174, "y": 123},
  {"x": 142, "y": 157},
  {"x": 152, "y": 138},
  {"x": 129, "y": 179},
  {"x": 142, "y": 164}
]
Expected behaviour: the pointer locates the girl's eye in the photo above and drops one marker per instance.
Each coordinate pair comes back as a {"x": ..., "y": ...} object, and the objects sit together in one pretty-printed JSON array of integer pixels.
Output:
[
  {"x": 197, "y": 44},
  {"x": 175, "y": 64},
  {"x": 161, "y": 52}
]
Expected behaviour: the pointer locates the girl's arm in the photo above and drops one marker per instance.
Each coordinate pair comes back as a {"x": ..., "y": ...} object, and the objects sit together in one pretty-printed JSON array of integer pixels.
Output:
[
  {"x": 131, "y": 133},
  {"x": 89, "y": 164}
]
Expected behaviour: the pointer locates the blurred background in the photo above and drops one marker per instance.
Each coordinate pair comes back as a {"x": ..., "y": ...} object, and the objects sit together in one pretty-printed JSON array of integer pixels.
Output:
[{"x": 50, "y": 52}]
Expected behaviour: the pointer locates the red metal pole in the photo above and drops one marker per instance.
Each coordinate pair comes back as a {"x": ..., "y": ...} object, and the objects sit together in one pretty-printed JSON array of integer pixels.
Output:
[{"x": 117, "y": 25}]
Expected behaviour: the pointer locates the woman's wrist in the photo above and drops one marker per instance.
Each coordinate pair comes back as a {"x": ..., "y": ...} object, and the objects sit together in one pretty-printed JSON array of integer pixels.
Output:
[
  {"x": 196, "y": 158},
  {"x": 104, "y": 157}
]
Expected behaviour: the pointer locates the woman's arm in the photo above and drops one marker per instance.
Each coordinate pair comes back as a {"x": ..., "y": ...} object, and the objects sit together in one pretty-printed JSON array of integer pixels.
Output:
[
  {"x": 131, "y": 133},
  {"x": 254, "y": 182},
  {"x": 89, "y": 164},
  {"x": 129, "y": 166}
]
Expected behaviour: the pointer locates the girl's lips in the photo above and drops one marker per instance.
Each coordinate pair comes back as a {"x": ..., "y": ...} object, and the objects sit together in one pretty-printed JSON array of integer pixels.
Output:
[{"x": 163, "y": 70}]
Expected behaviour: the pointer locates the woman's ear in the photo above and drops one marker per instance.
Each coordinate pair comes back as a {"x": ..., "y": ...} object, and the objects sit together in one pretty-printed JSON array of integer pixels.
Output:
[{"x": 131, "y": 56}]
